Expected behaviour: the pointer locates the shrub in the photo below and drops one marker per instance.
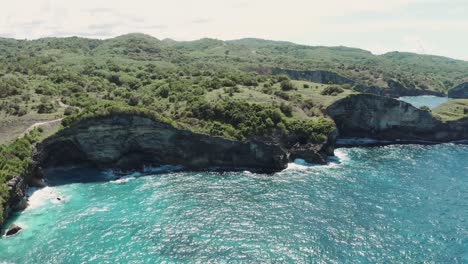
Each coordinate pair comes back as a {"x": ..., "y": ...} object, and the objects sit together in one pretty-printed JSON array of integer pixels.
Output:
[
  {"x": 282, "y": 95},
  {"x": 425, "y": 108},
  {"x": 14, "y": 161},
  {"x": 70, "y": 110},
  {"x": 11, "y": 85},
  {"x": 287, "y": 85},
  {"x": 282, "y": 78},
  {"x": 286, "y": 109},
  {"x": 46, "y": 108},
  {"x": 332, "y": 90}
]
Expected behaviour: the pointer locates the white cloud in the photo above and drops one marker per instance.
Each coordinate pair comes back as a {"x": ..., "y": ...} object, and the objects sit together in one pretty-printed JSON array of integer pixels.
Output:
[{"x": 294, "y": 20}]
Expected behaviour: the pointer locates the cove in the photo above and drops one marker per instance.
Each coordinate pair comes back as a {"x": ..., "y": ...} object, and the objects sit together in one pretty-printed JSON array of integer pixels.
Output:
[
  {"x": 425, "y": 100},
  {"x": 402, "y": 204}
]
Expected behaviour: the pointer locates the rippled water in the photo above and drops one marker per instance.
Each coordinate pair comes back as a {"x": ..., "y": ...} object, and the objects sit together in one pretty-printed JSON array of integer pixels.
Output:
[
  {"x": 425, "y": 100},
  {"x": 395, "y": 204}
]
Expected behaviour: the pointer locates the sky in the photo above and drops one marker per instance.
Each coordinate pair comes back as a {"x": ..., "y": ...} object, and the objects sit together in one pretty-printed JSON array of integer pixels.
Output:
[{"x": 438, "y": 27}]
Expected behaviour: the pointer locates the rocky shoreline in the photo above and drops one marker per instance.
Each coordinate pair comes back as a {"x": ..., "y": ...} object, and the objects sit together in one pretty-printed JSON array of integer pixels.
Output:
[
  {"x": 387, "y": 119},
  {"x": 128, "y": 142}
]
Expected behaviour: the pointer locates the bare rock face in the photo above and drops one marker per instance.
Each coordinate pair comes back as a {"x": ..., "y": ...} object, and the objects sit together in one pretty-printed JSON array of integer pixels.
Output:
[
  {"x": 128, "y": 142},
  {"x": 13, "y": 230},
  {"x": 16, "y": 197},
  {"x": 365, "y": 115},
  {"x": 326, "y": 77},
  {"x": 459, "y": 92},
  {"x": 395, "y": 89}
]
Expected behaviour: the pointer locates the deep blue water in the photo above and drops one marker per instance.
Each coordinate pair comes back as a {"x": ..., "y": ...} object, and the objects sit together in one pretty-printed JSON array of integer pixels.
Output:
[
  {"x": 394, "y": 204},
  {"x": 425, "y": 100}
]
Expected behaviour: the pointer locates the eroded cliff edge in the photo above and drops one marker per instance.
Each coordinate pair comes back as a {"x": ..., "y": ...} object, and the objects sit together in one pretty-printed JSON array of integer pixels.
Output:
[
  {"x": 128, "y": 142},
  {"x": 383, "y": 118}
]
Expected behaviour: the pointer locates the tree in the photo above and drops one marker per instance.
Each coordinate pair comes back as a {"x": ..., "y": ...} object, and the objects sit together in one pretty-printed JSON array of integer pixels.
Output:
[
  {"x": 286, "y": 109},
  {"x": 70, "y": 110},
  {"x": 332, "y": 90},
  {"x": 46, "y": 108},
  {"x": 11, "y": 85},
  {"x": 287, "y": 85}
]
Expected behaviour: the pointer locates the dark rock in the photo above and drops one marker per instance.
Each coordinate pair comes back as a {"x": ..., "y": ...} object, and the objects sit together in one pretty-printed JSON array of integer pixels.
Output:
[
  {"x": 325, "y": 77},
  {"x": 459, "y": 92},
  {"x": 370, "y": 116},
  {"x": 395, "y": 89},
  {"x": 16, "y": 197},
  {"x": 310, "y": 153},
  {"x": 128, "y": 142},
  {"x": 13, "y": 230},
  {"x": 21, "y": 205}
]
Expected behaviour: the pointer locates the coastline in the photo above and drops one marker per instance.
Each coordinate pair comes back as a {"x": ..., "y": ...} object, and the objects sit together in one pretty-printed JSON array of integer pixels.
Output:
[{"x": 371, "y": 142}]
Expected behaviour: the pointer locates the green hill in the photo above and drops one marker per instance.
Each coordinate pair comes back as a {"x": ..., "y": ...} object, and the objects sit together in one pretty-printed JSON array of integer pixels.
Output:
[{"x": 46, "y": 78}]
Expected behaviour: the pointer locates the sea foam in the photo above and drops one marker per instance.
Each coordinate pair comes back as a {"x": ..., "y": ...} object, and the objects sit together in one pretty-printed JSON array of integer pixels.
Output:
[{"x": 38, "y": 197}]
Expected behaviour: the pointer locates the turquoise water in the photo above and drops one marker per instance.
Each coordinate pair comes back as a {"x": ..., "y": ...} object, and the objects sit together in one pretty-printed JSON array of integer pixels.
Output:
[
  {"x": 394, "y": 204},
  {"x": 427, "y": 100}
]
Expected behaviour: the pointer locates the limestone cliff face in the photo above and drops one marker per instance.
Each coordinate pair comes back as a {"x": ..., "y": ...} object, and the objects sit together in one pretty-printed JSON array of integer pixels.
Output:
[
  {"x": 395, "y": 89},
  {"x": 365, "y": 115},
  {"x": 16, "y": 197},
  {"x": 459, "y": 92},
  {"x": 129, "y": 142}
]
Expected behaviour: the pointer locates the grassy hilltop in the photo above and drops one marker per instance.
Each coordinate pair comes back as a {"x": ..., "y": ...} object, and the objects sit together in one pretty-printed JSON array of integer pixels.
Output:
[{"x": 207, "y": 85}]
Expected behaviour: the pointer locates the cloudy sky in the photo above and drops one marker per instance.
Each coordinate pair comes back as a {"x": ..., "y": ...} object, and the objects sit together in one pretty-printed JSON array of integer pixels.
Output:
[{"x": 423, "y": 26}]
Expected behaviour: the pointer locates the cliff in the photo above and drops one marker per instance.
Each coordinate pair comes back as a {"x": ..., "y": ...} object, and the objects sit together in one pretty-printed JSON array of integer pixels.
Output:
[
  {"x": 459, "y": 92},
  {"x": 325, "y": 77},
  {"x": 395, "y": 89},
  {"x": 16, "y": 198},
  {"x": 129, "y": 142},
  {"x": 383, "y": 118}
]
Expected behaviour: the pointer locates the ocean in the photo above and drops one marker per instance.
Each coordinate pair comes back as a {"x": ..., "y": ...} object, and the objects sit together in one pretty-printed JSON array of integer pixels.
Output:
[{"x": 392, "y": 204}]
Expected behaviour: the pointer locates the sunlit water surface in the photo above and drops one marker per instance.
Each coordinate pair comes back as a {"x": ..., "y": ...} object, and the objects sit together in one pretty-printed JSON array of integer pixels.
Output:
[
  {"x": 425, "y": 100},
  {"x": 395, "y": 204}
]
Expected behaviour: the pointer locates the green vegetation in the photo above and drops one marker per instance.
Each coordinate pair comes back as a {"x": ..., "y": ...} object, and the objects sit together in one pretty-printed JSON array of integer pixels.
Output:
[
  {"x": 332, "y": 90},
  {"x": 452, "y": 110},
  {"x": 426, "y": 108},
  {"x": 110, "y": 108},
  {"x": 14, "y": 161},
  {"x": 192, "y": 83},
  {"x": 221, "y": 88},
  {"x": 189, "y": 84}
]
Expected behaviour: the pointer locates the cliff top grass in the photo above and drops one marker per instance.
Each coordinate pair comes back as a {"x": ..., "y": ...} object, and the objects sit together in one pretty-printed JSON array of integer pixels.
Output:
[
  {"x": 108, "y": 108},
  {"x": 231, "y": 118},
  {"x": 452, "y": 110},
  {"x": 15, "y": 161}
]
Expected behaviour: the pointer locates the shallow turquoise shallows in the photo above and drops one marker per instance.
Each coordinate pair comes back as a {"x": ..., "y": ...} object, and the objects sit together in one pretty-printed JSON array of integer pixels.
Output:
[
  {"x": 395, "y": 204},
  {"x": 425, "y": 100}
]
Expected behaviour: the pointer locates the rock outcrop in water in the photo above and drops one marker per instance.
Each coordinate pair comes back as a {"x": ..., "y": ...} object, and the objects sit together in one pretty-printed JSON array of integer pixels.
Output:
[
  {"x": 459, "y": 92},
  {"x": 128, "y": 142},
  {"x": 383, "y": 118},
  {"x": 13, "y": 230}
]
